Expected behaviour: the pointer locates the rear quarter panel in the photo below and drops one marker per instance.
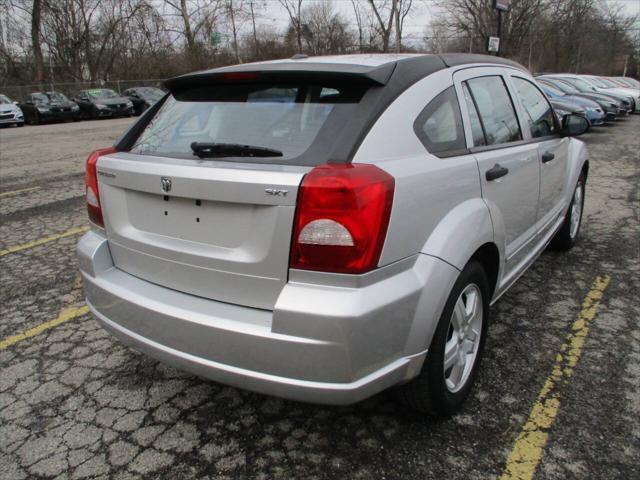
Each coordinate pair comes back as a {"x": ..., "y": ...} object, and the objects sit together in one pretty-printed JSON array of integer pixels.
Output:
[{"x": 437, "y": 207}]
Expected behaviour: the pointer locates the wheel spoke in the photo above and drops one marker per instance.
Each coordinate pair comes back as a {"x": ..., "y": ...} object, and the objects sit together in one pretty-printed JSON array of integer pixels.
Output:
[
  {"x": 451, "y": 353},
  {"x": 467, "y": 346},
  {"x": 459, "y": 318}
]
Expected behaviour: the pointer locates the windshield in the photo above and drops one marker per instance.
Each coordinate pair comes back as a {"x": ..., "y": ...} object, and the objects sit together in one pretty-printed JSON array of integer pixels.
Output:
[
  {"x": 565, "y": 87},
  {"x": 581, "y": 84},
  {"x": 599, "y": 82},
  {"x": 282, "y": 118},
  {"x": 609, "y": 84},
  {"x": 150, "y": 93},
  {"x": 57, "y": 97},
  {"x": 631, "y": 82},
  {"x": 554, "y": 91},
  {"x": 4, "y": 100},
  {"x": 102, "y": 93}
]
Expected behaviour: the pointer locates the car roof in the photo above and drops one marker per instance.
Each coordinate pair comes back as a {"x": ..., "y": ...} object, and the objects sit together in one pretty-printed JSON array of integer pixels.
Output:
[{"x": 357, "y": 68}]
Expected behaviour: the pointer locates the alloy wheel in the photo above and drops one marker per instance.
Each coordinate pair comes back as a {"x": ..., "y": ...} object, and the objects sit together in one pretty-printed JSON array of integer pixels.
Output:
[{"x": 463, "y": 338}]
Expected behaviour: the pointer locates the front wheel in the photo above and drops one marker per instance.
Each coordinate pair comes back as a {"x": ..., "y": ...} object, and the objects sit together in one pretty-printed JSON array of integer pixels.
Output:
[
  {"x": 455, "y": 352},
  {"x": 568, "y": 234}
]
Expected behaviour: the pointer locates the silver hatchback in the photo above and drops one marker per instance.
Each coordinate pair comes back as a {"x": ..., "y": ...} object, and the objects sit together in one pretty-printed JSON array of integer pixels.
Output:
[{"x": 322, "y": 229}]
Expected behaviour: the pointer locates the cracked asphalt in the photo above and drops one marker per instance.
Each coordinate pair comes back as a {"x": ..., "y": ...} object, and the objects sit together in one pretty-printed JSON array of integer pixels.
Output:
[{"x": 75, "y": 403}]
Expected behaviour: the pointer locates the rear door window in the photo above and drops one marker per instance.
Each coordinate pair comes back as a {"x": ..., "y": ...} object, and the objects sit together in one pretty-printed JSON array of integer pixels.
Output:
[
  {"x": 296, "y": 120},
  {"x": 477, "y": 130},
  {"x": 496, "y": 110},
  {"x": 439, "y": 126},
  {"x": 539, "y": 112}
]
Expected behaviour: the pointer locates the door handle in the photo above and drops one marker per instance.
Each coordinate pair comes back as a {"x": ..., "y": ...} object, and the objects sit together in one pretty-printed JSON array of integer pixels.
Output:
[
  {"x": 496, "y": 172},
  {"x": 547, "y": 157}
]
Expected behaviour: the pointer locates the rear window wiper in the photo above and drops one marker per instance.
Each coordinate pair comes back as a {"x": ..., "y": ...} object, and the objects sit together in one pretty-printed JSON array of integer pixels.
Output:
[{"x": 219, "y": 150}]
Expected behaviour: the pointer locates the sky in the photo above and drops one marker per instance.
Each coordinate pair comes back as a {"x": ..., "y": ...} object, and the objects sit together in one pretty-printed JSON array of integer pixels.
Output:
[{"x": 414, "y": 28}]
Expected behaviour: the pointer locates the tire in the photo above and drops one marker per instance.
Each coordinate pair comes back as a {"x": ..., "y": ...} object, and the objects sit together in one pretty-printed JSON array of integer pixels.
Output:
[
  {"x": 36, "y": 119},
  {"x": 569, "y": 233},
  {"x": 438, "y": 391}
]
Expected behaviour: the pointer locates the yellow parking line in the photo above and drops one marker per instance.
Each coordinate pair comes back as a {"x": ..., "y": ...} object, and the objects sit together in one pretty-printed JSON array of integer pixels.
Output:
[
  {"x": 41, "y": 241},
  {"x": 65, "y": 315},
  {"x": 16, "y": 192},
  {"x": 529, "y": 447}
]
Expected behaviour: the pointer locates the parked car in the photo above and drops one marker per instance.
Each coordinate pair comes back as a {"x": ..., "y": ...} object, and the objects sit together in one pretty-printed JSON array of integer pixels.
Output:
[
  {"x": 143, "y": 97},
  {"x": 563, "y": 108},
  {"x": 41, "y": 107},
  {"x": 585, "y": 87},
  {"x": 629, "y": 82},
  {"x": 625, "y": 82},
  {"x": 564, "y": 104},
  {"x": 340, "y": 243},
  {"x": 103, "y": 102},
  {"x": 603, "y": 85},
  {"x": 612, "y": 108},
  {"x": 10, "y": 113}
]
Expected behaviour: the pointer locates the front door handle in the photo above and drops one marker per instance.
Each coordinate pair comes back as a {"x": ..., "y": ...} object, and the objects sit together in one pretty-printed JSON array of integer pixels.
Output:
[
  {"x": 547, "y": 157},
  {"x": 496, "y": 172}
]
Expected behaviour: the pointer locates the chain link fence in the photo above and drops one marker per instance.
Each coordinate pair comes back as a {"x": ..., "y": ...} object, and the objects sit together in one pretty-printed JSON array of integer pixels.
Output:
[{"x": 71, "y": 89}]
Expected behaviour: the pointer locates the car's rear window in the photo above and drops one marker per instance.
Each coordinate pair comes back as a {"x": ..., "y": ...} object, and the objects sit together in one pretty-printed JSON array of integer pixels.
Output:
[{"x": 290, "y": 119}]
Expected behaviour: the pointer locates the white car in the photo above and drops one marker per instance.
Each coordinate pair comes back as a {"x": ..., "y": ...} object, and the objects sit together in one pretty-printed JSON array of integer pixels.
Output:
[
  {"x": 607, "y": 86},
  {"x": 10, "y": 113}
]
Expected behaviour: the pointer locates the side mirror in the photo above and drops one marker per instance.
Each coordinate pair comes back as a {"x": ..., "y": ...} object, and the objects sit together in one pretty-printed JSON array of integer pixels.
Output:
[
  {"x": 15, "y": 103},
  {"x": 574, "y": 125}
]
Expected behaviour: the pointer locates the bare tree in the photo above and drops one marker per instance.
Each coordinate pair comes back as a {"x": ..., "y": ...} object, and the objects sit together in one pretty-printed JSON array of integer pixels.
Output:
[
  {"x": 326, "y": 31},
  {"x": 385, "y": 16},
  {"x": 38, "y": 60},
  {"x": 294, "y": 10},
  {"x": 197, "y": 19}
]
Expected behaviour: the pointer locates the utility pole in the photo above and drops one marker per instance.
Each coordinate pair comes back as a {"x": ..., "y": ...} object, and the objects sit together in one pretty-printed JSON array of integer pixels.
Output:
[
  {"x": 235, "y": 32},
  {"x": 396, "y": 11},
  {"x": 255, "y": 35},
  {"x": 499, "y": 33}
]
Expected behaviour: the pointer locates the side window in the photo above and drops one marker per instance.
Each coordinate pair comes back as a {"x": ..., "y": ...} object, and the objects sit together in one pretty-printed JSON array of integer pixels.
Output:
[
  {"x": 439, "y": 125},
  {"x": 539, "y": 111},
  {"x": 476, "y": 125},
  {"x": 495, "y": 109}
]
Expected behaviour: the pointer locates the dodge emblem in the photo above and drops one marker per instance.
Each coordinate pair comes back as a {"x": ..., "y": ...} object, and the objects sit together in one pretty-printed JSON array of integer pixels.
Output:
[{"x": 166, "y": 184}]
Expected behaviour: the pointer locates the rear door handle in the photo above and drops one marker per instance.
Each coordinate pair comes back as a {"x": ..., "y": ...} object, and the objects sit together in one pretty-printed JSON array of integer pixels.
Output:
[
  {"x": 496, "y": 172},
  {"x": 547, "y": 157}
]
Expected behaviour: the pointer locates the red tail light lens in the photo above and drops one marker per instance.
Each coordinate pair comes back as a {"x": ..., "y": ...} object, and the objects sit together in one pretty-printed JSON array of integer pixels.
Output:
[
  {"x": 91, "y": 186},
  {"x": 342, "y": 218}
]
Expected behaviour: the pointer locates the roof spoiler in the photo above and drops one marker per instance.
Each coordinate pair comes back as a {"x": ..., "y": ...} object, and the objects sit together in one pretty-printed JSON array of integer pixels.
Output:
[{"x": 290, "y": 71}]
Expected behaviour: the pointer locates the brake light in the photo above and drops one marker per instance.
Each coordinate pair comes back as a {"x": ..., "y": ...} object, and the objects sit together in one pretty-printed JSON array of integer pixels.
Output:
[
  {"x": 91, "y": 185},
  {"x": 342, "y": 218}
]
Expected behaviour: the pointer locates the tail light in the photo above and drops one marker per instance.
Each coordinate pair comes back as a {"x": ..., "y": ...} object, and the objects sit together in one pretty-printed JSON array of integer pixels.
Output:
[
  {"x": 91, "y": 186},
  {"x": 342, "y": 218}
]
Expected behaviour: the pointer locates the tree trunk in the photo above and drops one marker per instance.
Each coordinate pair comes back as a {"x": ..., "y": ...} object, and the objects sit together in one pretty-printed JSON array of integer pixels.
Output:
[
  {"x": 38, "y": 60},
  {"x": 234, "y": 30},
  {"x": 256, "y": 46},
  {"x": 396, "y": 13},
  {"x": 188, "y": 34}
]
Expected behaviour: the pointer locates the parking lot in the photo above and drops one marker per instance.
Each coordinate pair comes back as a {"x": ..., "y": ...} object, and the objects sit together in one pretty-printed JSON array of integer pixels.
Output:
[{"x": 558, "y": 394}]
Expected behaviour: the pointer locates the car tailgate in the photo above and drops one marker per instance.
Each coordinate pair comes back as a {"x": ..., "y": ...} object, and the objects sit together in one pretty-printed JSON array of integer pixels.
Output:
[{"x": 218, "y": 230}]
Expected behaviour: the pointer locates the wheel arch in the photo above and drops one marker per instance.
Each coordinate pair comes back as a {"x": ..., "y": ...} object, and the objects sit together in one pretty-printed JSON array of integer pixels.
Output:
[{"x": 488, "y": 255}]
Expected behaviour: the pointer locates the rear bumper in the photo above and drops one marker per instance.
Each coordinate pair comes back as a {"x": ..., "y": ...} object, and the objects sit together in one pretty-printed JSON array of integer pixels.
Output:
[{"x": 321, "y": 344}]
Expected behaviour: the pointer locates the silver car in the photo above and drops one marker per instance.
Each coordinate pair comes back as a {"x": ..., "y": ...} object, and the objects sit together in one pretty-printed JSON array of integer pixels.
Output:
[{"x": 322, "y": 229}]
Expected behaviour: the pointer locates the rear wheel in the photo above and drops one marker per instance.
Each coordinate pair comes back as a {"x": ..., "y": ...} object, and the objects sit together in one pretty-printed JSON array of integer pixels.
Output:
[
  {"x": 568, "y": 234},
  {"x": 455, "y": 352}
]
